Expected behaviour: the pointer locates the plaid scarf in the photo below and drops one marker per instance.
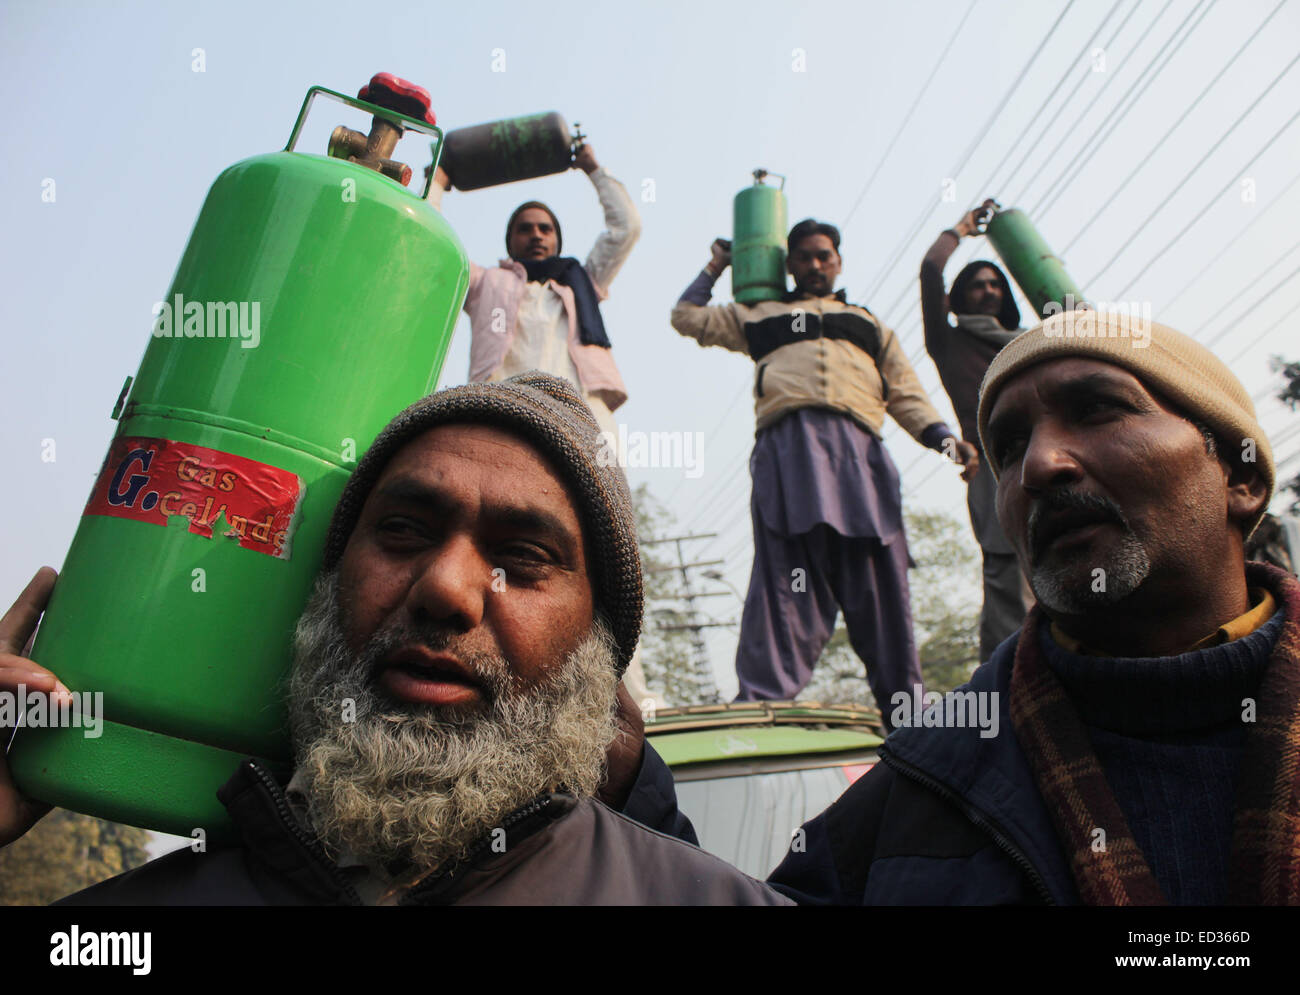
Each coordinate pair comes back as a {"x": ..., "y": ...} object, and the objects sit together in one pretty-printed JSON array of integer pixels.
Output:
[{"x": 1264, "y": 865}]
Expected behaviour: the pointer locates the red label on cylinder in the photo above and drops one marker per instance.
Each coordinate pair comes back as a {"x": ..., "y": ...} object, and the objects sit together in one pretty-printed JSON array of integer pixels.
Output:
[{"x": 150, "y": 480}]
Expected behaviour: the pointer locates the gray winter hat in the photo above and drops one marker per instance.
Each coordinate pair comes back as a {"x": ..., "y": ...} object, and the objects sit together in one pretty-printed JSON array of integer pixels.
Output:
[{"x": 548, "y": 413}]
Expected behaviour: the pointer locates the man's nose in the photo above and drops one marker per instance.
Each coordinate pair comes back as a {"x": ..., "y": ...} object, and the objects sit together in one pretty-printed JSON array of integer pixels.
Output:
[
  {"x": 1048, "y": 460},
  {"x": 452, "y": 585}
]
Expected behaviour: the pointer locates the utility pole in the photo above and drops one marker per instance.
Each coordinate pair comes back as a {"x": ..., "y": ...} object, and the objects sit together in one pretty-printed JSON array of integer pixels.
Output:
[{"x": 703, "y": 669}]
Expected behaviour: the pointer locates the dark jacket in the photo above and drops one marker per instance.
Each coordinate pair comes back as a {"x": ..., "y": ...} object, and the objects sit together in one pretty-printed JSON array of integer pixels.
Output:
[
  {"x": 559, "y": 850},
  {"x": 948, "y": 818}
]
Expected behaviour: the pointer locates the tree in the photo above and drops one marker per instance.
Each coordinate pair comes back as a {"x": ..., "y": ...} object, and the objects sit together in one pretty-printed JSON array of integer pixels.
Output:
[
  {"x": 65, "y": 852},
  {"x": 1289, "y": 394},
  {"x": 672, "y": 667},
  {"x": 945, "y": 587}
]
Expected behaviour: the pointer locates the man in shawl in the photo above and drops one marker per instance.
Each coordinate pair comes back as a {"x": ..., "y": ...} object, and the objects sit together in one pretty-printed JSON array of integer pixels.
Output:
[{"x": 986, "y": 320}]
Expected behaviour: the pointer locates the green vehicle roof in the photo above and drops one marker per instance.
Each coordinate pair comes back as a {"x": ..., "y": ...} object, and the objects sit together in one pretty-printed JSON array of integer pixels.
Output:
[{"x": 712, "y": 733}]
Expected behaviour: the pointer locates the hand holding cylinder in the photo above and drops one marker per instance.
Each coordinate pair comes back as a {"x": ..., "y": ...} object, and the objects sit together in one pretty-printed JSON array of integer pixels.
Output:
[{"x": 19, "y": 813}]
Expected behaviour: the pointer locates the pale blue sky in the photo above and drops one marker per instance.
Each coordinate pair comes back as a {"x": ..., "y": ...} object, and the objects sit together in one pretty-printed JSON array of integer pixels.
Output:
[{"x": 102, "y": 99}]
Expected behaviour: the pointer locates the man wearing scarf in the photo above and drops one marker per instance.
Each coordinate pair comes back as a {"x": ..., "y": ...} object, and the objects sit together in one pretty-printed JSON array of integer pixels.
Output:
[
  {"x": 987, "y": 319},
  {"x": 1147, "y": 738},
  {"x": 538, "y": 310}
]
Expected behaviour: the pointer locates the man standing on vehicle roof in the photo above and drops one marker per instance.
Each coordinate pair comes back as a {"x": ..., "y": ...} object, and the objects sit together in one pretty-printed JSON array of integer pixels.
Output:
[{"x": 826, "y": 505}]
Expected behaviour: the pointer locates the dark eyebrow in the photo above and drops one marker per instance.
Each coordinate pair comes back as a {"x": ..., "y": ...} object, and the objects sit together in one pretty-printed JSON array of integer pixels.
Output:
[
  {"x": 520, "y": 517},
  {"x": 1092, "y": 383},
  {"x": 406, "y": 490},
  {"x": 1073, "y": 389},
  {"x": 1001, "y": 423}
]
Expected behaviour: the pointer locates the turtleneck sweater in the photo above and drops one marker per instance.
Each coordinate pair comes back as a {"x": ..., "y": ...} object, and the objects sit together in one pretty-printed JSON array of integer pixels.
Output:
[{"x": 1169, "y": 735}]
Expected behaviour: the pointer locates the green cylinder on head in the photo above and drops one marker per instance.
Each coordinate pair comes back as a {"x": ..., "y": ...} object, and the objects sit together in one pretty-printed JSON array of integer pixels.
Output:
[
  {"x": 759, "y": 227},
  {"x": 315, "y": 299},
  {"x": 1035, "y": 268}
]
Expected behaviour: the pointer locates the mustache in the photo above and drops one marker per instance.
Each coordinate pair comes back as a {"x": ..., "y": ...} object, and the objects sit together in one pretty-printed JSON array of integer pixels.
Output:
[
  {"x": 491, "y": 671},
  {"x": 1048, "y": 512}
]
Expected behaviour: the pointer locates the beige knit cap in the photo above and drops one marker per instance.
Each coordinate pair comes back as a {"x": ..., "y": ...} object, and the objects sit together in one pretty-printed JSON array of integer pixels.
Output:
[{"x": 1181, "y": 370}]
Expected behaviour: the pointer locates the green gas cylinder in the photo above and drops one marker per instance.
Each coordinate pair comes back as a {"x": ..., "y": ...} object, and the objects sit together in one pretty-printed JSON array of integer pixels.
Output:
[
  {"x": 316, "y": 298},
  {"x": 758, "y": 241},
  {"x": 1033, "y": 265}
]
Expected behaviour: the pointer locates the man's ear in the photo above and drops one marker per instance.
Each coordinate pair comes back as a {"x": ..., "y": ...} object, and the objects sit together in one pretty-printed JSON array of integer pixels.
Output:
[{"x": 1247, "y": 492}]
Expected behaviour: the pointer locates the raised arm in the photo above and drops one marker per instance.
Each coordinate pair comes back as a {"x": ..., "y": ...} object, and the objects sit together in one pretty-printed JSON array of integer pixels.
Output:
[
  {"x": 440, "y": 185},
  {"x": 622, "y": 222},
  {"x": 692, "y": 317},
  {"x": 934, "y": 300},
  {"x": 18, "y": 813}
]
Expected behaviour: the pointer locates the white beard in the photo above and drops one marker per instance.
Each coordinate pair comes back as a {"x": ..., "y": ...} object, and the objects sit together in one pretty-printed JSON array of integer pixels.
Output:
[
  {"x": 417, "y": 784},
  {"x": 1068, "y": 589}
]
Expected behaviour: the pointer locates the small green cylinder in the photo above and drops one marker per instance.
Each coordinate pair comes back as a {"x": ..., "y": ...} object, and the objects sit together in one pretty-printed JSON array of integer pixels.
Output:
[
  {"x": 1035, "y": 268},
  {"x": 759, "y": 223},
  {"x": 203, "y": 534}
]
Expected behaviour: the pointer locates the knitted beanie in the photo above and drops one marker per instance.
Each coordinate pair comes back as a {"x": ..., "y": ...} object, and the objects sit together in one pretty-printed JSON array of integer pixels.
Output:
[
  {"x": 547, "y": 412},
  {"x": 1179, "y": 368}
]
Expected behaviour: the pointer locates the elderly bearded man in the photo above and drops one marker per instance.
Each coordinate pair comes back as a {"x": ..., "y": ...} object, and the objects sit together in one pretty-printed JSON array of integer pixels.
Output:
[
  {"x": 479, "y": 598},
  {"x": 1149, "y": 708}
]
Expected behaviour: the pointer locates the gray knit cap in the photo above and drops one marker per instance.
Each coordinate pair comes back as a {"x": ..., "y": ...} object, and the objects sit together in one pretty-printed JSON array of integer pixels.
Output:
[{"x": 548, "y": 413}]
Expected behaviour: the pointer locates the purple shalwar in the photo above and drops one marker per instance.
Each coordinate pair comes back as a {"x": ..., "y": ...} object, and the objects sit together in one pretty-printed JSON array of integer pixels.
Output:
[{"x": 828, "y": 536}]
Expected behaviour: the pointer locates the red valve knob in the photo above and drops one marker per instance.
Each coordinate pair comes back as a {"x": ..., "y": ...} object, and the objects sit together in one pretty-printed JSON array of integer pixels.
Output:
[{"x": 397, "y": 94}]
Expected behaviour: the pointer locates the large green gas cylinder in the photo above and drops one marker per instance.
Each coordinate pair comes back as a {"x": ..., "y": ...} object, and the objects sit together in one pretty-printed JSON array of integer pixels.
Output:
[
  {"x": 316, "y": 298},
  {"x": 1033, "y": 265},
  {"x": 518, "y": 148},
  {"x": 758, "y": 241}
]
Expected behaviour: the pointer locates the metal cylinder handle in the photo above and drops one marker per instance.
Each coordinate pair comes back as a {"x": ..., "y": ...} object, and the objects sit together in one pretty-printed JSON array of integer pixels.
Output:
[
  {"x": 984, "y": 216},
  {"x": 407, "y": 122}
]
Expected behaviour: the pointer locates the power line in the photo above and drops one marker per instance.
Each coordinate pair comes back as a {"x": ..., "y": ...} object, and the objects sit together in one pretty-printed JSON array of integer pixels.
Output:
[
  {"x": 1192, "y": 172},
  {"x": 1066, "y": 133},
  {"x": 979, "y": 136},
  {"x": 1262, "y": 212},
  {"x": 1266, "y": 296},
  {"x": 1148, "y": 152},
  {"x": 1075, "y": 164},
  {"x": 1011, "y": 146},
  {"x": 1196, "y": 333},
  {"x": 907, "y": 118},
  {"x": 1288, "y": 313},
  {"x": 726, "y": 413}
]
